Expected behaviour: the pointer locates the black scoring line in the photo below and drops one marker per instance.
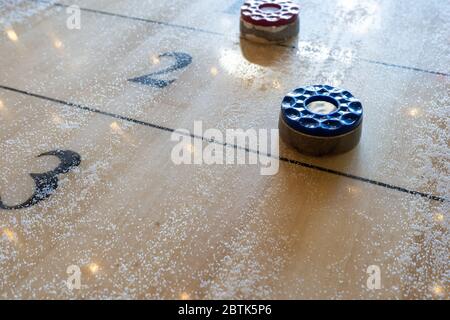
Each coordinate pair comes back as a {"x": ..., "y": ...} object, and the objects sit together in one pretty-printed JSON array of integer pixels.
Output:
[{"x": 280, "y": 158}]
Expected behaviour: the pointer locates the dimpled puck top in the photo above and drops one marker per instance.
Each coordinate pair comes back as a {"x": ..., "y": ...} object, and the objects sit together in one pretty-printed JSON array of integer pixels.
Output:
[
  {"x": 269, "y": 13},
  {"x": 346, "y": 116}
]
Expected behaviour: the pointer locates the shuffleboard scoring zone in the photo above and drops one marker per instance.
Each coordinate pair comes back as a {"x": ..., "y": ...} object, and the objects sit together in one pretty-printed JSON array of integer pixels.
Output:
[
  {"x": 46, "y": 183},
  {"x": 280, "y": 158},
  {"x": 199, "y": 30},
  {"x": 182, "y": 60}
]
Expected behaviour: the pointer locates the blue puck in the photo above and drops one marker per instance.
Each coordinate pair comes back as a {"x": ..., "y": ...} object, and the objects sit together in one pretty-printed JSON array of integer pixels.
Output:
[{"x": 321, "y": 119}]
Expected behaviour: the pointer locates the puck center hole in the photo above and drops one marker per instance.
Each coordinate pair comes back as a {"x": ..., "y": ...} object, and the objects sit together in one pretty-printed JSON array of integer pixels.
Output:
[
  {"x": 322, "y": 105},
  {"x": 269, "y": 7}
]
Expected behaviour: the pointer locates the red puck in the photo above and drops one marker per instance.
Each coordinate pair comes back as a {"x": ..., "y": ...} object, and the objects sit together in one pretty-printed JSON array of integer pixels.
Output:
[{"x": 269, "y": 13}]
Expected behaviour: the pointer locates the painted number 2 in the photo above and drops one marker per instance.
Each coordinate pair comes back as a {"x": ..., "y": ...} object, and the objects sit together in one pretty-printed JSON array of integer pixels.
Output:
[
  {"x": 46, "y": 183},
  {"x": 182, "y": 60}
]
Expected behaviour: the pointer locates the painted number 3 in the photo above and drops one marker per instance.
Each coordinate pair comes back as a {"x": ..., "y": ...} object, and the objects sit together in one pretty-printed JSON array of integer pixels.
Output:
[
  {"x": 46, "y": 183},
  {"x": 182, "y": 60}
]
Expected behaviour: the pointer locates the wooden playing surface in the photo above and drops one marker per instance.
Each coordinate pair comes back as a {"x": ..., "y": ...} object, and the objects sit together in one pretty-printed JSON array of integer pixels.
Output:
[{"x": 141, "y": 227}]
